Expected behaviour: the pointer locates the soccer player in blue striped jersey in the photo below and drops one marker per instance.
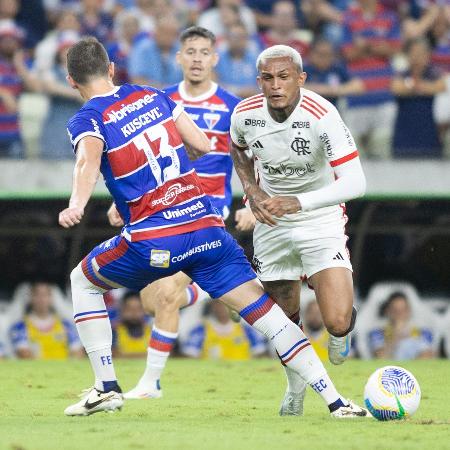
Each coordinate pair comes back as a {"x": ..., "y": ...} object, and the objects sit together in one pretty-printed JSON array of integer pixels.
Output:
[
  {"x": 138, "y": 138},
  {"x": 210, "y": 107}
]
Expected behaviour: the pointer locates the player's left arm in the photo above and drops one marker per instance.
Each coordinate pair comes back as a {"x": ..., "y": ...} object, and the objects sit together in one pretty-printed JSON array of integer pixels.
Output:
[
  {"x": 85, "y": 176},
  {"x": 195, "y": 140},
  {"x": 349, "y": 183}
]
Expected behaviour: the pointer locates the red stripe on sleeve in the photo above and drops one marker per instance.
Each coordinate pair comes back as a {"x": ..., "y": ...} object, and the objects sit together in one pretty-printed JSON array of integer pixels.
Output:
[{"x": 344, "y": 159}]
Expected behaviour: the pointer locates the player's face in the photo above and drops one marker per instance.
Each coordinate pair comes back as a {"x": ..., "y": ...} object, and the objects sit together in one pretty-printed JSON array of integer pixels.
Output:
[
  {"x": 280, "y": 81},
  {"x": 197, "y": 59}
]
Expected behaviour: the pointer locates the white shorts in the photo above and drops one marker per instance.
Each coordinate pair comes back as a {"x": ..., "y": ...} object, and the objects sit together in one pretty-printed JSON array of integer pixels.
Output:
[{"x": 282, "y": 253}]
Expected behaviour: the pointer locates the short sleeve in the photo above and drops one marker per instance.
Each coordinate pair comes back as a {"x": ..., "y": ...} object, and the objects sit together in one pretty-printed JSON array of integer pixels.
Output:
[
  {"x": 236, "y": 132},
  {"x": 85, "y": 123},
  {"x": 175, "y": 108},
  {"x": 337, "y": 141},
  {"x": 19, "y": 335}
]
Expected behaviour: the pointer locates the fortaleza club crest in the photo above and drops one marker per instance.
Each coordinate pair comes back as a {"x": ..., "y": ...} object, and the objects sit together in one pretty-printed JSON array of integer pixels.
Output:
[{"x": 211, "y": 119}]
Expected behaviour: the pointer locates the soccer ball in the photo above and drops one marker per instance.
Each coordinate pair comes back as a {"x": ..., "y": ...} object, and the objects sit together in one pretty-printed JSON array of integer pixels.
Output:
[{"x": 392, "y": 393}]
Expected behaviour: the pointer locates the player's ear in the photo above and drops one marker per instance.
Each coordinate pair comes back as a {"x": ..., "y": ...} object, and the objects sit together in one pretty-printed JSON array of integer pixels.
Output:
[
  {"x": 71, "y": 82},
  {"x": 302, "y": 78},
  {"x": 111, "y": 70},
  {"x": 178, "y": 57}
]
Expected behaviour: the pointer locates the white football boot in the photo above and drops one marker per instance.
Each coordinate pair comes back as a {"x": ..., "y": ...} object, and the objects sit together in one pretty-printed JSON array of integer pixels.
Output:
[
  {"x": 339, "y": 348},
  {"x": 350, "y": 411},
  {"x": 292, "y": 404},
  {"x": 93, "y": 401},
  {"x": 142, "y": 391}
]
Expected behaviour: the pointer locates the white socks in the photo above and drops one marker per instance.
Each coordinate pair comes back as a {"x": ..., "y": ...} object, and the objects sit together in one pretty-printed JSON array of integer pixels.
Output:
[
  {"x": 293, "y": 348},
  {"x": 94, "y": 329},
  {"x": 160, "y": 346}
]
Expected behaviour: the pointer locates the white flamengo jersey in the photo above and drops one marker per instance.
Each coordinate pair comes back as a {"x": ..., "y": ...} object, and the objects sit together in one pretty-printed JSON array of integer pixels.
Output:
[{"x": 297, "y": 155}]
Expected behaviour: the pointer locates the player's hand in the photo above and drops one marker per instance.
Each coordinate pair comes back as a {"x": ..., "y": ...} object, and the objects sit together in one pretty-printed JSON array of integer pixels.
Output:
[
  {"x": 245, "y": 220},
  {"x": 281, "y": 205},
  {"x": 70, "y": 217},
  {"x": 256, "y": 196},
  {"x": 114, "y": 217}
]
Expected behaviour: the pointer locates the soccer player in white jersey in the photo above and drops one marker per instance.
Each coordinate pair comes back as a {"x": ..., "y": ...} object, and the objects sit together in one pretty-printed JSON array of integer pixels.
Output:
[{"x": 308, "y": 166}]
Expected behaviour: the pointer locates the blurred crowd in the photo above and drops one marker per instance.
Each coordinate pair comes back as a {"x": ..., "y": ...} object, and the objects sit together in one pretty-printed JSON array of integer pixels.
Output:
[
  {"x": 393, "y": 323},
  {"x": 384, "y": 63}
]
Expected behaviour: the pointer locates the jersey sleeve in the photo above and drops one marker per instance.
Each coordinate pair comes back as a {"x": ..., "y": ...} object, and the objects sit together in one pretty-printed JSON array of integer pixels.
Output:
[
  {"x": 236, "y": 132},
  {"x": 85, "y": 123},
  {"x": 175, "y": 108},
  {"x": 337, "y": 141}
]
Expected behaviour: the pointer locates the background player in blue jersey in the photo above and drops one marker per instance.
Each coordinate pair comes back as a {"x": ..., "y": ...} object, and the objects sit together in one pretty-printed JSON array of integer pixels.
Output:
[
  {"x": 136, "y": 136},
  {"x": 210, "y": 107}
]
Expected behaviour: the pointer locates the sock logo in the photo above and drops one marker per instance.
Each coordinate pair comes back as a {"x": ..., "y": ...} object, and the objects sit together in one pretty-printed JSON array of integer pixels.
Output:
[
  {"x": 106, "y": 360},
  {"x": 319, "y": 386}
]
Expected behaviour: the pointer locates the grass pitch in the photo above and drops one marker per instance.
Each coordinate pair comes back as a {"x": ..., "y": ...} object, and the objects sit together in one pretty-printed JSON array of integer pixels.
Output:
[{"x": 211, "y": 405}]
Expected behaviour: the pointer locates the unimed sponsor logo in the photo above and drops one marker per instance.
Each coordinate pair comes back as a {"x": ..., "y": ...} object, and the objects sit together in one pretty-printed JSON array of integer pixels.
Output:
[
  {"x": 180, "y": 212},
  {"x": 198, "y": 249},
  {"x": 172, "y": 193}
]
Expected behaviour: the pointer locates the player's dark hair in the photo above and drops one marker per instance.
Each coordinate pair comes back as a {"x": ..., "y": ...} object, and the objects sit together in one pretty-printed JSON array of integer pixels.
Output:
[
  {"x": 86, "y": 60},
  {"x": 193, "y": 32}
]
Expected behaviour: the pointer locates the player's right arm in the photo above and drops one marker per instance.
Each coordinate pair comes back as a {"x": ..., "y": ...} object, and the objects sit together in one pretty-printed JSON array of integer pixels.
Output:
[
  {"x": 85, "y": 176},
  {"x": 245, "y": 169}
]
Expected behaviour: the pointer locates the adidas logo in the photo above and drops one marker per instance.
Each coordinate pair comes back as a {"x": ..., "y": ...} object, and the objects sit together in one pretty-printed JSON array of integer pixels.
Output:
[
  {"x": 339, "y": 256},
  {"x": 257, "y": 144}
]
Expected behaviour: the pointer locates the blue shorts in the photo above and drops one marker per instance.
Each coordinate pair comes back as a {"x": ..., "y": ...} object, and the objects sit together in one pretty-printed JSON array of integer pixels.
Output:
[{"x": 211, "y": 257}]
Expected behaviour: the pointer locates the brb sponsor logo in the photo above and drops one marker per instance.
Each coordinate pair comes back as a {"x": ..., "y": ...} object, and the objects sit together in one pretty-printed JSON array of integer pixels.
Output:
[
  {"x": 288, "y": 171},
  {"x": 160, "y": 258},
  {"x": 198, "y": 249},
  {"x": 301, "y": 125},
  {"x": 172, "y": 193},
  {"x": 128, "y": 108},
  {"x": 192, "y": 210},
  {"x": 255, "y": 122}
]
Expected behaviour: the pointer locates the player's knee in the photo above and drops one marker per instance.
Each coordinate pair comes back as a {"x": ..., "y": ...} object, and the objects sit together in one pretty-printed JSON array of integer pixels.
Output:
[
  {"x": 79, "y": 281},
  {"x": 341, "y": 324},
  {"x": 77, "y": 277},
  {"x": 167, "y": 301},
  {"x": 338, "y": 325}
]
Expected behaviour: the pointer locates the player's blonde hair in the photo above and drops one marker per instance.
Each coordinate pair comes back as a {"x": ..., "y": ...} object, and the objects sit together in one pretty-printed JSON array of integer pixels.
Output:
[{"x": 278, "y": 51}]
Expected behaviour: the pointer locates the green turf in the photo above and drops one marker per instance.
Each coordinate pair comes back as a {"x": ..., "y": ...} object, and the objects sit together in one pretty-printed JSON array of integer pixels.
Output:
[{"x": 210, "y": 405}]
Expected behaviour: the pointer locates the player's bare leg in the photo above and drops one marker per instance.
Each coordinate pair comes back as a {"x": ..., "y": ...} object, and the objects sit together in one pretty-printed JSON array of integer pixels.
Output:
[
  {"x": 163, "y": 299},
  {"x": 334, "y": 292},
  {"x": 286, "y": 293},
  {"x": 291, "y": 344}
]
